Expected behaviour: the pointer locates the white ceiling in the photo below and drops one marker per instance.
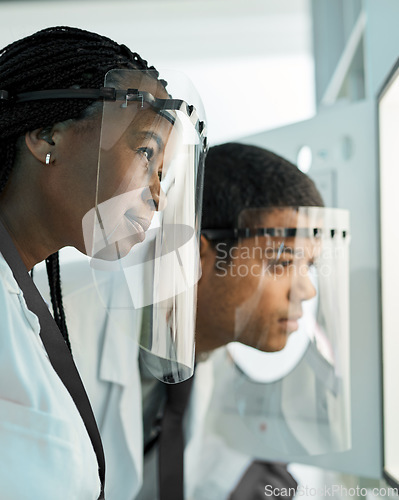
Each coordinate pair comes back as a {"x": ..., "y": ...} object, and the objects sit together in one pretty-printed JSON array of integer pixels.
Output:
[
  {"x": 173, "y": 29},
  {"x": 256, "y": 53}
]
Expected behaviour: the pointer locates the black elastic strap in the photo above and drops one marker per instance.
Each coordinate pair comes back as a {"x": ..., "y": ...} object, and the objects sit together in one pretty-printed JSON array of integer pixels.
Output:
[
  {"x": 171, "y": 442},
  {"x": 277, "y": 232},
  {"x": 57, "y": 350}
]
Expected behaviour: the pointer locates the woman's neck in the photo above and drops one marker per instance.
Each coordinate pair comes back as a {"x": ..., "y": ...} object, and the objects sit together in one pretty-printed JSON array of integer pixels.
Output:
[{"x": 20, "y": 214}]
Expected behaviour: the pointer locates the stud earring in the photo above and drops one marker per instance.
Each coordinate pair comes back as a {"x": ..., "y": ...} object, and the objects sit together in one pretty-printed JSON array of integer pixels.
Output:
[{"x": 48, "y": 156}]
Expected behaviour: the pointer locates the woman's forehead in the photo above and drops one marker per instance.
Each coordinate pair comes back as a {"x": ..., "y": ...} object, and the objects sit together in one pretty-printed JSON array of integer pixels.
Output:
[
  {"x": 296, "y": 247},
  {"x": 281, "y": 218},
  {"x": 286, "y": 217}
]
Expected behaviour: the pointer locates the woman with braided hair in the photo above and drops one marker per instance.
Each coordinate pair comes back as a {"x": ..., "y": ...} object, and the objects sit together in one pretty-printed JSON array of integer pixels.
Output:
[{"x": 87, "y": 134}]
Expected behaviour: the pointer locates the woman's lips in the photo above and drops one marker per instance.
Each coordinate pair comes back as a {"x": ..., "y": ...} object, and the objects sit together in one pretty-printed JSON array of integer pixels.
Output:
[
  {"x": 140, "y": 225},
  {"x": 290, "y": 325}
]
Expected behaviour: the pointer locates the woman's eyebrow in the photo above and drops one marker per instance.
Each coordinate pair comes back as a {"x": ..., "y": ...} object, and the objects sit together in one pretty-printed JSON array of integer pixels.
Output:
[
  {"x": 290, "y": 249},
  {"x": 149, "y": 134}
]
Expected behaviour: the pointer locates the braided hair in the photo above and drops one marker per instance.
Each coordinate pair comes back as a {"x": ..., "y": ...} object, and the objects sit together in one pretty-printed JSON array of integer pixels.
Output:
[{"x": 54, "y": 58}]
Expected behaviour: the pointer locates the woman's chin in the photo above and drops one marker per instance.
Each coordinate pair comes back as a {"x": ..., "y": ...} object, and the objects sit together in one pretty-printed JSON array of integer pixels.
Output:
[{"x": 272, "y": 343}]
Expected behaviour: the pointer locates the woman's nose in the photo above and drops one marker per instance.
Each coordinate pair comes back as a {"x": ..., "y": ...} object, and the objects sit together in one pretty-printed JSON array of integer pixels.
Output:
[
  {"x": 154, "y": 196},
  {"x": 302, "y": 286}
]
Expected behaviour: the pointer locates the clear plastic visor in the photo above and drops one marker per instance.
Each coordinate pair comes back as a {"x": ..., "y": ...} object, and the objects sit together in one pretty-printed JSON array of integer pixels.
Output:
[
  {"x": 142, "y": 233},
  {"x": 285, "y": 382}
]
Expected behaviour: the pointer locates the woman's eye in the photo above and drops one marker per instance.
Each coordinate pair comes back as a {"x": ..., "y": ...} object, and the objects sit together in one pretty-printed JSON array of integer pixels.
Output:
[
  {"x": 279, "y": 263},
  {"x": 148, "y": 153},
  {"x": 284, "y": 261}
]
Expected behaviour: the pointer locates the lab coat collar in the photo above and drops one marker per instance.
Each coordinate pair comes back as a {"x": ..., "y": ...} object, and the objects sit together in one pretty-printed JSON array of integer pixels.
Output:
[
  {"x": 7, "y": 277},
  {"x": 11, "y": 285}
]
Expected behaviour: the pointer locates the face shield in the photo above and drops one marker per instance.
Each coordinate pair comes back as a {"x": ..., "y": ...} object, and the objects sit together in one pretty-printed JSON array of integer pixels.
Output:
[
  {"x": 282, "y": 389},
  {"x": 142, "y": 233}
]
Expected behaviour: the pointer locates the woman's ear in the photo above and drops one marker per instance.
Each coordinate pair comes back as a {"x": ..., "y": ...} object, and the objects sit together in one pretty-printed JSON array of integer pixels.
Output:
[
  {"x": 207, "y": 256},
  {"x": 204, "y": 247},
  {"x": 40, "y": 143}
]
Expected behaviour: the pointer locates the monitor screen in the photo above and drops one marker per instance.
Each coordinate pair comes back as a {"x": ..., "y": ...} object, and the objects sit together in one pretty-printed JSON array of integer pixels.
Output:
[{"x": 388, "y": 130}]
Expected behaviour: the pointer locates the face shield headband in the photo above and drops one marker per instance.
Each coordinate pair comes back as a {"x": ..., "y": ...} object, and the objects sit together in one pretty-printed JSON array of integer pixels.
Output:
[{"x": 112, "y": 94}]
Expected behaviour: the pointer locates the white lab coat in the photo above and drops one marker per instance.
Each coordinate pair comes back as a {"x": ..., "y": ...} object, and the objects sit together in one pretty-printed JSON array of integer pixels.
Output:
[
  {"x": 45, "y": 451},
  {"x": 212, "y": 469},
  {"x": 107, "y": 358},
  {"x": 106, "y": 354}
]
